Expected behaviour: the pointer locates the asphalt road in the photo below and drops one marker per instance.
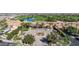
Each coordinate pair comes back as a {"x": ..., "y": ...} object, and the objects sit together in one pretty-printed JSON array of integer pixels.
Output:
[{"x": 74, "y": 42}]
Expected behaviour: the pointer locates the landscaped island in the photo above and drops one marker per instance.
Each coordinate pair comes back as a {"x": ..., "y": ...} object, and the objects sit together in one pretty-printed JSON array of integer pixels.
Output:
[{"x": 39, "y": 29}]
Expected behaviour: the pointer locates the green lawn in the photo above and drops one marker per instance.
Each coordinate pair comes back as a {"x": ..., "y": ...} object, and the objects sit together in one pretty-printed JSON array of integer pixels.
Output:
[{"x": 69, "y": 18}]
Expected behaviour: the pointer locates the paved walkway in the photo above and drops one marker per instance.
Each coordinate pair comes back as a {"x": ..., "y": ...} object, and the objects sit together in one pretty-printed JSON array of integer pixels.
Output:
[{"x": 38, "y": 41}]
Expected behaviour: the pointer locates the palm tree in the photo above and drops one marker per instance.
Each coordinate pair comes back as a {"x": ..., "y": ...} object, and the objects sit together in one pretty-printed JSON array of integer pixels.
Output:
[
  {"x": 52, "y": 38},
  {"x": 28, "y": 39}
]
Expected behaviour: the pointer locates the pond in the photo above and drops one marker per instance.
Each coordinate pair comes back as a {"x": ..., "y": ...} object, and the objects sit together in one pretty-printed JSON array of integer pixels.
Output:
[{"x": 28, "y": 19}]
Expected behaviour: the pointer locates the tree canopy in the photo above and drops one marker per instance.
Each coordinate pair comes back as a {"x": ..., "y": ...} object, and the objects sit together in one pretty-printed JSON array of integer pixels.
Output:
[
  {"x": 28, "y": 39},
  {"x": 69, "y": 18},
  {"x": 71, "y": 30}
]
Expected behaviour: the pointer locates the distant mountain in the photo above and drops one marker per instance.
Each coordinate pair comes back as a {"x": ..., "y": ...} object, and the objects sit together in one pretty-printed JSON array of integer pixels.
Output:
[{"x": 16, "y": 14}]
